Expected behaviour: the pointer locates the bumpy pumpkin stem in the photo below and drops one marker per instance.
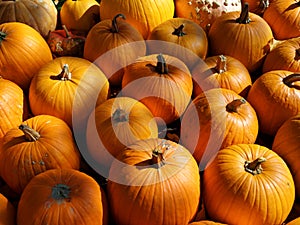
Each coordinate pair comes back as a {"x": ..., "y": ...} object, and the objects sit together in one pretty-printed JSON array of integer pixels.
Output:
[
  {"x": 289, "y": 80},
  {"x": 161, "y": 66},
  {"x": 221, "y": 64},
  {"x": 120, "y": 116},
  {"x": 244, "y": 16},
  {"x": 61, "y": 192},
  {"x": 179, "y": 31},
  {"x": 2, "y": 36},
  {"x": 254, "y": 167},
  {"x": 234, "y": 105},
  {"x": 115, "y": 28},
  {"x": 30, "y": 134},
  {"x": 158, "y": 154},
  {"x": 65, "y": 73}
]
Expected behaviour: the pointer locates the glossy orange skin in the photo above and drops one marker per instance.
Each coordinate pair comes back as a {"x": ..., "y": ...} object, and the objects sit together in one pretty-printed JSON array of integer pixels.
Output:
[{"x": 7, "y": 211}]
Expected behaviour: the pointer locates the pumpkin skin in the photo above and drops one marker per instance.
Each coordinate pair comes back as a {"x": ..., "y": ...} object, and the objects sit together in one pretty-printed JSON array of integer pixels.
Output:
[
  {"x": 284, "y": 56},
  {"x": 283, "y": 17},
  {"x": 115, "y": 124},
  {"x": 162, "y": 82},
  {"x": 275, "y": 96},
  {"x": 7, "y": 211},
  {"x": 289, "y": 133},
  {"x": 221, "y": 71},
  {"x": 215, "y": 119},
  {"x": 38, "y": 144},
  {"x": 206, "y": 222},
  {"x": 205, "y": 12},
  {"x": 183, "y": 32},
  {"x": 144, "y": 15},
  {"x": 257, "y": 6},
  {"x": 264, "y": 197},
  {"x": 39, "y": 14},
  {"x": 11, "y": 115},
  {"x": 23, "y": 51},
  {"x": 242, "y": 35},
  {"x": 112, "y": 44},
  {"x": 68, "y": 88},
  {"x": 80, "y": 16},
  {"x": 157, "y": 181},
  {"x": 294, "y": 221},
  {"x": 62, "y": 196}
]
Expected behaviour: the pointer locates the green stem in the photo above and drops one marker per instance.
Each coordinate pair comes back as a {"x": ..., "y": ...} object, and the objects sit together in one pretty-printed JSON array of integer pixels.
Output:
[
  {"x": 30, "y": 134},
  {"x": 161, "y": 66},
  {"x": 179, "y": 31},
  {"x": 61, "y": 192},
  {"x": 254, "y": 167},
  {"x": 115, "y": 28},
  {"x": 234, "y": 105},
  {"x": 244, "y": 16}
]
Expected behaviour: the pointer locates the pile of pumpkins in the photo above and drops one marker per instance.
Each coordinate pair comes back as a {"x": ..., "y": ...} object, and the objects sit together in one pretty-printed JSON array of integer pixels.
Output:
[{"x": 163, "y": 112}]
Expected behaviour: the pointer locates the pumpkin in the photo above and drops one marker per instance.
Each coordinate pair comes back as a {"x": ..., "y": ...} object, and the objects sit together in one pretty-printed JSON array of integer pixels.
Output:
[
  {"x": 113, "y": 125},
  {"x": 214, "y": 120},
  {"x": 183, "y": 32},
  {"x": 283, "y": 17},
  {"x": 38, "y": 144},
  {"x": 68, "y": 88},
  {"x": 11, "y": 105},
  {"x": 257, "y": 6},
  {"x": 23, "y": 51},
  {"x": 79, "y": 16},
  {"x": 288, "y": 135},
  {"x": 205, "y": 12},
  {"x": 205, "y": 222},
  {"x": 295, "y": 221},
  {"x": 62, "y": 196},
  {"x": 248, "y": 184},
  {"x": 162, "y": 82},
  {"x": 275, "y": 96},
  {"x": 7, "y": 211},
  {"x": 39, "y": 14},
  {"x": 242, "y": 35},
  {"x": 112, "y": 44},
  {"x": 221, "y": 71},
  {"x": 284, "y": 56},
  {"x": 154, "y": 182},
  {"x": 144, "y": 15}
]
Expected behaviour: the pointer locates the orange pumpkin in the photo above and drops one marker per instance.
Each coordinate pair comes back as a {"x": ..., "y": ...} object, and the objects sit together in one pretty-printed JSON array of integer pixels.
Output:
[
  {"x": 248, "y": 184},
  {"x": 242, "y": 35},
  {"x": 144, "y": 15},
  {"x": 112, "y": 45},
  {"x": 154, "y": 182},
  {"x": 62, "y": 195},
  {"x": 23, "y": 51},
  {"x": 39, "y": 14},
  {"x": 206, "y": 222},
  {"x": 68, "y": 88},
  {"x": 11, "y": 105},
  {"x": 257, "y": 6},
  {"x": 295, "y": 221},
  {"x": 162, "y": 82},
  {"x": 215, "y": 119},
  {"x": 38, "y": 144},
  {"x": 275, "y": 96},
  {"x": 115, "y": 124},
  {"x": 7, "y": 211}
]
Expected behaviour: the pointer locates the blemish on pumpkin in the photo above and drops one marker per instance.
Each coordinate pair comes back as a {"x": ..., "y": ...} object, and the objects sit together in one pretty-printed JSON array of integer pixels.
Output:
[
  {"x": 42, "y": 163},
  {"x": 33, "y": 162}
]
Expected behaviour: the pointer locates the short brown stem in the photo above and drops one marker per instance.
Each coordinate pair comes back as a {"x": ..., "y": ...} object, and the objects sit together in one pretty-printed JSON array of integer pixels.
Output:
[
  {"x": 120, "y": 115},
  {"x": 263, "y": 5},
  {"x": 30, "y": 134},
  {"x": 115, "y": 28},
  {"x": 158, "y": 153},
  {"x": 244, "y": 16},
  {"x": 221, "y": 64},
  {"x": 179, "y": 31},
  {"x": 254, "y": 167},
  {"x": 161, "y": 66},
  {"x": 235, "y": 104},
  {"x": 291, "y": 79},
  {"x": 61, "y": 192},
  {"x": 65, "y": 74},
  {"x": 66, "y": 31},
  {"x": 2, "y": 36}
]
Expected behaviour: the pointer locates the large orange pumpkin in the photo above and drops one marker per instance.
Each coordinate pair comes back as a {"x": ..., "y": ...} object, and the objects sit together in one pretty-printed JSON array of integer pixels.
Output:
[
  {"x": 23, "y": 51},
  {"x": 144, "y": 15},
  {"x": 7, "y": 211},
  {"x": 162, "y": 82},
  {"x": 68, "y": 88},
  {"x": 275, "y": 96},
  {"x": 248, "y": 184},
  {"x": 62, "y": 196},
  {"x": 38, "y": 144},
  {"x": 214, "y": 120},
  {"x": 154, "y": 182}
]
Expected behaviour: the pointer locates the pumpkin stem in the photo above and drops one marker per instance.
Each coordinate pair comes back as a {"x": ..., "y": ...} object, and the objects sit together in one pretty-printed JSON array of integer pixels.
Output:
[
  {"x": 158, "y": 153},
  {"x": 161, "y": 66},
  {"x": 289, "y": 80},
  {"x": 115, "y": 28},
  {"x": 234, "y": 105},
  {"x": 179, "y": 31},
  {"x": 61, "y": 192},
  {"x": 221, "y": 64},
  {"x": 30, "y": 134},
  {"x": 120, "y": 115},
  {"x": 66, "y": 31},
  {"x": 254, "y": 167},
  {"x": 65, "y": 73},
  {"x": 2, "y": 36},
  {"x": 244, "y": 16},
  {"x": 263, "y": 5}
]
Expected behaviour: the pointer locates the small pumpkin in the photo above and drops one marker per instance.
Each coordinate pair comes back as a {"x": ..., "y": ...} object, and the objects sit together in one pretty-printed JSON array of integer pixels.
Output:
[
  {"x": 161, "y": 82},
  {"x": 112, "y": 44},
  {"x": 59, "y": 195},
  {"x": 38, "y": 144},
  {"x": 157, "y": 181},
  {"x": 275, "y": 96},
  {"x": 23, "y": 51},
  {"x": 248, "y": 184},
  {"x": 7, "y": 211}
]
